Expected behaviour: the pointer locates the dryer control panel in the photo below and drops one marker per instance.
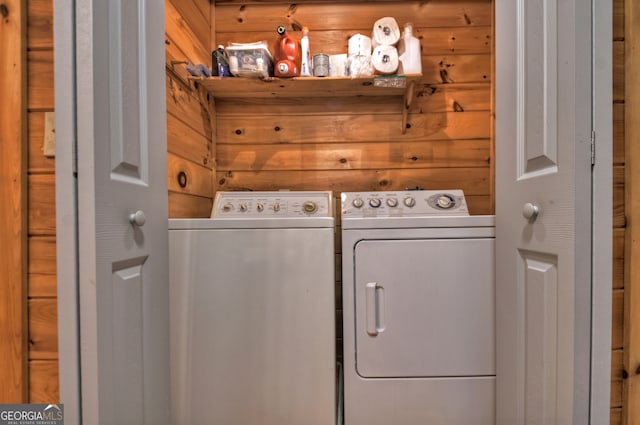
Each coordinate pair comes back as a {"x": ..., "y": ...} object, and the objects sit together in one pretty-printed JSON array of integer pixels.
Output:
[
  {"x": 409, "y": 203},
  {"x": 272, "y": 204}
]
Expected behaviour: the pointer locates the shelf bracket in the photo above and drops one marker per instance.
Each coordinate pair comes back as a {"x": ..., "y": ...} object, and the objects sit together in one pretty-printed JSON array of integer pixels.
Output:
[{"x": 408, "y": 100}]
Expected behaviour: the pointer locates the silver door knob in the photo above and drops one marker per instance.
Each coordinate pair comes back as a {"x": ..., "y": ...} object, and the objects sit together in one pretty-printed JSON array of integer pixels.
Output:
[
  {"x": 137, "y": 218},
  {"x": 530, "y": 211}
]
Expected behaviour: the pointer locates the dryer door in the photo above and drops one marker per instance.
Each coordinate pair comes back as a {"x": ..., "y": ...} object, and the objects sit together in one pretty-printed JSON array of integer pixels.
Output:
[{"x": 425, "y": 308}]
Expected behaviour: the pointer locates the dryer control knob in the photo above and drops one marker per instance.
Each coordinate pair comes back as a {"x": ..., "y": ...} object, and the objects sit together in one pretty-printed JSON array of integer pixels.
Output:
[
  {"x": 410, "y": 201},
  {"x": 227, "y": 207},
  {"x": 375, "y": 202},
  {"x": 444, "y": 202},
  {"x": 310, "y": 207},
  {"x": 358, "y": 202},
  {"x": 260, "y": 207},
  {"x": 243, "y": 207},
  {"x": 276, "y": 206},
  {"x": 392, "y": 202}
]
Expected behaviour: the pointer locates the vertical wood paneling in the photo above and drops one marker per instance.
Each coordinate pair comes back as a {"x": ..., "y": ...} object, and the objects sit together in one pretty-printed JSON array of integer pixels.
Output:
[
  {"x": 42, "y": 291},
  {"x": 619, "y": 220},
  {"x": 189, "y": 117},
  {"x": 178, "y": 31},
  {"x": 631, "y": 408},
  {"x": 42, "y": 267},
  {"x": 617, "y": 322},
  {"x": 13, "y": 193},
  {"x": 618, "y": 133},
  {"x": 618, "y": 258},
  {"x": 43, "y": 329},
  {"x": 40, "y": 87},
  {"x": 40, "y": 24},
  {"x": 616, "y": 416},
  {"x": 618, "y": 20},
  {"x": 43, "y": 382},
  {"x": 189, "y": 206},
  {"x": 42, "y": 205},
  {"x": 356, "y": 16},
  {"x": 618, "y": 70},
  {"x": 616, "y": 378},
  {"x": 195, "y": 18},
  {"x": 618, "y": 399}
]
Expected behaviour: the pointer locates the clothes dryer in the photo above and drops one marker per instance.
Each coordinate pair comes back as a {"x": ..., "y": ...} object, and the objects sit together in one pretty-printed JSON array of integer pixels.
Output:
[
  {"x": 253, "y": 311},
  {"x": 418, "y": 309}
]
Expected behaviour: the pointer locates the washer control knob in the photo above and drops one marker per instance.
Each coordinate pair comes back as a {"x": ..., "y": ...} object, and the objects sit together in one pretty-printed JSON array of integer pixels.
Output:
[
  {"x": 276, "y": 206},
  {"x": 243, "y": 207},
  {"x": 260, "y": 207},
  {"x": 409, "y": 201},
  {"x": 392, "y": 202},
  {"x": 444, "y": 202},
  {"x": 375, "y": 202},
  {"x": 310, "y": 207},
  {"x": 358, "y": 202},
  {"x": 227, "y": 207}
]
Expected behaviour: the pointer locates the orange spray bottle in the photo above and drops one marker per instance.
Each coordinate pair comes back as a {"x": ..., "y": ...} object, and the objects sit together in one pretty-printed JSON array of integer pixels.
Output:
[{"x": 286, "y": 55}]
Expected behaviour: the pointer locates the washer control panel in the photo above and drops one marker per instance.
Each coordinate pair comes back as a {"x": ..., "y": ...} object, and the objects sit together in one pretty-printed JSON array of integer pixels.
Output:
[
  {"x": 409, "y": 203},
  {"x": 272, "y": 204}
]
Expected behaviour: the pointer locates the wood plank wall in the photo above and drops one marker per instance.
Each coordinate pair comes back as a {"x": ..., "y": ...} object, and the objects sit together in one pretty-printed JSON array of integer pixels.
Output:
[
  {"x": 13, "y": 204},
  {"x": 631, "y": 349},
  {"x": 190, "y": 161},
  {"x": 349, "y": 144},
  {"x": 619, "y": 222},
  {"x": 42, "y": 293}
]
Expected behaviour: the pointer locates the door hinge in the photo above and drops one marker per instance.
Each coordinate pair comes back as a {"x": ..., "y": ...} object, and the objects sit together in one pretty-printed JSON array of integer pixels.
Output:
[{"x": 593, "y": 147}]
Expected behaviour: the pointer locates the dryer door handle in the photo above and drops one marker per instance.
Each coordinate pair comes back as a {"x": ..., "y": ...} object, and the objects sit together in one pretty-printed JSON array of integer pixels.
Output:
[{"x": 374, "y": 300}]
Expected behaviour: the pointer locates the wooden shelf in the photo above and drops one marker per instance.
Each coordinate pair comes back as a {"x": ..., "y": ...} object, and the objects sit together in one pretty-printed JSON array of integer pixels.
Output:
[
  {"x": 310, "y": 87},
  {"x": 238, "y": 87}
]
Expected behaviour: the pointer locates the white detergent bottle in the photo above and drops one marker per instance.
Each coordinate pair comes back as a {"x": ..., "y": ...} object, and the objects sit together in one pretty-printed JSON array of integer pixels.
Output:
[
  {"x": 409, "y": 52},
  {"x": 305, "y": 66}
]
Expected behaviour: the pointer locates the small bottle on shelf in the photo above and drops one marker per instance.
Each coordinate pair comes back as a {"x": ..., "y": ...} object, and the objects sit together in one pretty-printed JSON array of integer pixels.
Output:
[
  {"x": 220, "y": 63},
  {"x": 305, "y": 67},
  {"x": 409, "y": 52}
]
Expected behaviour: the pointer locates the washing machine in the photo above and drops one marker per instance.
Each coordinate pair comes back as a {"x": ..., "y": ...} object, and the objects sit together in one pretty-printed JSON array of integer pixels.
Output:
[
  {"x": 418, "y": 309},
  {"x": 253, "y": 311}
]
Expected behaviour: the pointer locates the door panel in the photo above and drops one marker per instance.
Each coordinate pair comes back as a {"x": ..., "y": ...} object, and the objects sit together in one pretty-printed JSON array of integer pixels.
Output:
[
  {"x": 122, "y": 204},
  {"x": 425, "y": 308},
  {"x": 540, "y": 286},
  {"x": 543, "y": 211},
  {"x": 128, "y": 331},
  {"x": 537, "y": 78},
  {"x": 127, "y": 93}
]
